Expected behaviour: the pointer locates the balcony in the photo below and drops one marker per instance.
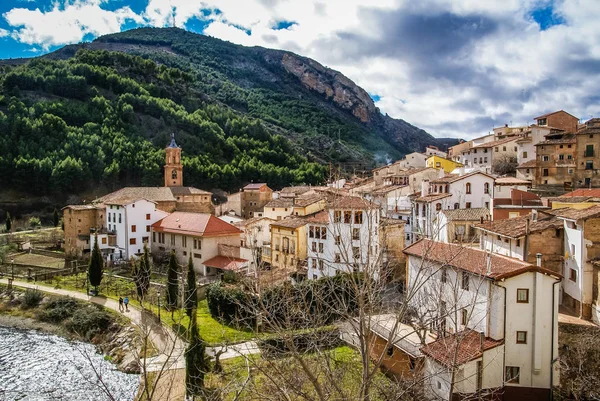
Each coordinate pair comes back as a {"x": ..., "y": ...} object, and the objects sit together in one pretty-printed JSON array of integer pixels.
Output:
[{"x": 103, "y": 230}]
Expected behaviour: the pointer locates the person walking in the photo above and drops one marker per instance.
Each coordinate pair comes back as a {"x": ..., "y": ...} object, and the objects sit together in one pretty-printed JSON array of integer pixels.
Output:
[
  {"x": 126, "y": 302},
  {"x": 120, "y": 304}
]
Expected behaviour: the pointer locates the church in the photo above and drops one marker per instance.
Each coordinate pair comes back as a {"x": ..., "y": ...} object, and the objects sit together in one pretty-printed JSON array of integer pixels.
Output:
[{"x": 117, "y": 222}]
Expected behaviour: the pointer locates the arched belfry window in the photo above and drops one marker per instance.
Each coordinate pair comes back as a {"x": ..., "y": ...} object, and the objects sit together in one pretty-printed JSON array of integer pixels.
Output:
[{"x": 174, "y": 174}]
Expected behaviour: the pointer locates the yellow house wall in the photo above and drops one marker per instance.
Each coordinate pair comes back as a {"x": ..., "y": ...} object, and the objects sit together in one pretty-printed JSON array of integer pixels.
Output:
[{"x": 447, "y": 165}]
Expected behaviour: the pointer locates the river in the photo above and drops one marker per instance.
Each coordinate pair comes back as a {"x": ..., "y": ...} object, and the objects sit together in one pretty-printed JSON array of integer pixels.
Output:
[{"x": 36, "y": 366}]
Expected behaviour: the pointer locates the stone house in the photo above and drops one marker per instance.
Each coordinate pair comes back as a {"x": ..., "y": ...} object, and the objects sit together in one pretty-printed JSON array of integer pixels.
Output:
[
  {"x": 560, "y": 120},
  {"x": 457, "y": 225},
  {"x": 287, "y": 249},
  {"x": 556, "y": 160},
  {"x": 254, "y": 197},
  {"x": 79, "y": 221},
  {"x": 588, "y": 155}
]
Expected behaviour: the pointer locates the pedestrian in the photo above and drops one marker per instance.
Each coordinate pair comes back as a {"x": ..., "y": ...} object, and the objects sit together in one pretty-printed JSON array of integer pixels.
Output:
[
  {"x": 120, "y": 304},
  {"x": 126, "y": 302}
]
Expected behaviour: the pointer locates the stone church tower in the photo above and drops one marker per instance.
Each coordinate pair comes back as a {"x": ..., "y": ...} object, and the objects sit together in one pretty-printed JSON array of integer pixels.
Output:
[{"x": 173, "y": 168}]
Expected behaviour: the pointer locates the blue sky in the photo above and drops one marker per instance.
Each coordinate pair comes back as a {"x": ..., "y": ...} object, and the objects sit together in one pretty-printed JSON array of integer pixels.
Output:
[{"x": 453, "y": 67}]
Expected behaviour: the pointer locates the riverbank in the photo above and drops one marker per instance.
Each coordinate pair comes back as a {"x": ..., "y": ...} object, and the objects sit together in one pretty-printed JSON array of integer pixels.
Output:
[{"x": 113, "y": 335}]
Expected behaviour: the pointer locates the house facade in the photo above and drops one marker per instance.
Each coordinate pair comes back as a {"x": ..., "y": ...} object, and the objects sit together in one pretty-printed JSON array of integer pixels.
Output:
[
  {"x": 496, "y": 320},
  {"x": 254, "y": 197}
]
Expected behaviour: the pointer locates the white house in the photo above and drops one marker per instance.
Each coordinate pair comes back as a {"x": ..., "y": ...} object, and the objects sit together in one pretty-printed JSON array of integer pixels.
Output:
[
  {"x": 496, "y": 319},
  {"x": 344, "y": 238},
  {"x": 129, "y": 222},
  {"x": 582, "y": 248},
  {"x": 453, "y": 191},
  {"x": 435, "y": 151},
  {"x": 483, "y": 157},
  {"x": 413, "y": 160}
]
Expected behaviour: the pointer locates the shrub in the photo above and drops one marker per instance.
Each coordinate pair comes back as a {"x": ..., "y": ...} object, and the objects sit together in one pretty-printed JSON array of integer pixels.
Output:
[
  {"x": 34, "y": 222},
  {"x": 31, "y": 299},
  {"x": 88, "y": 321},
  {"x": 312, "y": 341},
  {"x": 58, "y": 310},
  {"x": 231, "y": 305}
]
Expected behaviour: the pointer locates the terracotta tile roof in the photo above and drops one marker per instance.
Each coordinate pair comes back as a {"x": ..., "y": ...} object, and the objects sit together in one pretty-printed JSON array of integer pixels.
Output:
[
  {"x": 384, "y": 189},
  {"x": 474, "y": 214},
  {"x": 409, "y": 172},
  {"x": 297, "y": 190},
  {"x": 226, "y": 263},
  {"x": 279, "y": 203},
  {"x": 257, "y": 185},
  {"x": 432, "y": 197},
  {"x": 471, "y": 259},
  {"x": 351, "y": 202},
  {"x": 496, "y": 143},
  {"x": 449, "y": 178},
  {"x": 293, "y": 222},
  {"x": 554, "y": 112},
  {"x": 575, "y": 214},
  {"x": 511, "y": 181},
  {"x": 459, "y": 348},
  {"x": 306, "y": 200},
  {"x": 516, "y": 227},
  {"x": 385, "y": 221},
  {"x": 196, "y": 224},
  {"x": 131, "y": 194},
  {"x": 571, "y": 199},
  {"x": 568, "y": 139},
  {"x": 592, "y": 192},
  {"x": 528, "y": 164},
  {"x": 188, "y": 191},
  {"x": 319, "y": 218}
]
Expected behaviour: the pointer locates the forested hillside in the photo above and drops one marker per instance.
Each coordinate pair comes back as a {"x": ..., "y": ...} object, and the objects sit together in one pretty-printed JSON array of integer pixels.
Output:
[{"x": 103, "y": 118}]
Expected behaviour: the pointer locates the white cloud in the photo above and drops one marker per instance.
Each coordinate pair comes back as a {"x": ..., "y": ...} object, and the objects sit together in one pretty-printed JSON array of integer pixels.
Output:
[
  {"x": 3, "y": 33},
  {"x": 67, "y": 24}
]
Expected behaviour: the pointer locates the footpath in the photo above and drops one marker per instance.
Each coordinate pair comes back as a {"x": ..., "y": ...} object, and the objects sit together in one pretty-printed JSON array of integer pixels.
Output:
[{"x": 171, "y": 349}]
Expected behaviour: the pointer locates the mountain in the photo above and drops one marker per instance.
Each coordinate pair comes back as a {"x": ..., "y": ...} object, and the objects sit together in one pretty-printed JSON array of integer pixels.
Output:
[{"x": 242, "y": 113}]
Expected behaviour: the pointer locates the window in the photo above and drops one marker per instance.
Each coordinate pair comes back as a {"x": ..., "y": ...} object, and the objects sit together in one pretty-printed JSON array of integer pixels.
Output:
[
  {"x": 145, "y": 239},
  {"x": 153, "y": 237},
  {"x": 542, "y": 121},
  {"x": 518, "y": 242},
  {"x": 496, "y": 149},
  {"x": 504, "y": 148},
  {"x": 524, "y": 155},
  {"x": 589, "y": 151},
  {"x": 147, "y": 229},
  {"x": 104, "y": 240},
  {"x": 147, "y": 216},
  {"x": 486, "y": 188},
  {"x": 321, "y": 265},
  {"x": 512, "y": 374},
  {"x": 522, "y": 295},
  {"x": 133, "y": 228},
  {"x": 337, "y": 216},
  {"x": 561, "y": 157},
  {"x": 569, "y": 157},
  {"x": 390, "y": 351},
  {"x": 347, "y": 217},
  {"x": 108, "y": 218},
  {"x": 184, "y": 241},
  {"x": 465, "y": 281},
  {"x": 358, "y": 217},
  {"x": 456, "y": 206},
  {"x": 570, "y": 171},
  {"x": 521, "y": 337},
  {"x": 573, "y": 275},
  {"x": 323, "y": 233},
  {"x": 468, "y": 187},
  {"x": 464, "y": 317},
  {"x": 545, "y": 172},
  {"x": 198, "y": 256},
  {"x": 356, "y": 252},
  {"x": 132, "y": 241},
  {"x": 338, "y": 258},
  {"x": 314, "y": 246},
  {"x": 173, "y": 239},
  {"x": 338, "y": 240},
  {"x": 438, "y": 206},
  {"x": 311, "y": 232},
  {"x": 444, "y": 275},
  {"x": 320, "y": 247},
  {"x": 589, "y": 165},
  {"x": 356, "y": 233},
  {"x": 468, "y": 205},
  {"x": 438, "y": 164}
]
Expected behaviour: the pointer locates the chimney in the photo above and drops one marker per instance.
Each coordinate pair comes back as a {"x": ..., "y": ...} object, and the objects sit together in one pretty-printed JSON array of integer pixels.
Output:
[
  {"x": 534, "y": 214},
  {"x": 538, "y": 259},
  {"x": 481, "y": 340}
]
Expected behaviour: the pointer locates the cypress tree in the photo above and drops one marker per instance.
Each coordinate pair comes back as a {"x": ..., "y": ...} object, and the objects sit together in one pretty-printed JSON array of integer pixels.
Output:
[
  {"x": 56, "y": 218},
  {"x": 172, "y": 285},
  {"x": 142, "y": 272},
  {"x": 96, "y": 266},
  {"x": 8, "y": 222},
  {"x": 191, "y": 295},
  {"x": 195, "y": 361}
]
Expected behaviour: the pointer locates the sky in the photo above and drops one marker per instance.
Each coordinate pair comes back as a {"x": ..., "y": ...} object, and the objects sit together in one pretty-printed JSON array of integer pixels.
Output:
[{"x": 456, "y": 68}]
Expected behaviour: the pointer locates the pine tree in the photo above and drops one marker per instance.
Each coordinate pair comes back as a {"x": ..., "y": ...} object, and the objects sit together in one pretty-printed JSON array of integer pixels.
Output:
[
  {"x": 191, "y": 295},
  {"x": 141, "y": 274},
  {"x": 8, "y": 222},
  {"x": 56, "y": 219},
  {"x": 172, "y": 285},
  {"x": 96, "y": 266},
  {"x": 195, "y": 361}
]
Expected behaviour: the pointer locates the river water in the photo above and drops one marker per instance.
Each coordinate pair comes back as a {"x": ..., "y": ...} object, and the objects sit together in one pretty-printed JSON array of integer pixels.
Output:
[{"x": 43, "y": 367}]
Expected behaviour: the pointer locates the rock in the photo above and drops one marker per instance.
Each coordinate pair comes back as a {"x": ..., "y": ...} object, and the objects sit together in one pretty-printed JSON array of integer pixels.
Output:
[{"x": 129, "y": 364}]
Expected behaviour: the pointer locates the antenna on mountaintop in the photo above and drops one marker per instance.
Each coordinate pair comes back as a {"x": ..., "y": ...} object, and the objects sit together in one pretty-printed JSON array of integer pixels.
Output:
[{"x": 173, "y": 17}]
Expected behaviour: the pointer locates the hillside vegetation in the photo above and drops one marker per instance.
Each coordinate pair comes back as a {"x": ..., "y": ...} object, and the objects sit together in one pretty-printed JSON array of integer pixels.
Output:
[{"x": 104, "y": 118}]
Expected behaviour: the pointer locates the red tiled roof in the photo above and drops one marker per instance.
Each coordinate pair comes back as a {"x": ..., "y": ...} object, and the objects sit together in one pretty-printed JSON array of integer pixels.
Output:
[
  {"x": 570, "y": 138},
  {"x": 226, "y": 263},
  {"x": 517, "y": 227},
  {"x": 591, "y": 192},
  {"x": 528, "y": 164},
  {"x": 293, "y": 222},
  {"x": 471, "y": 260},
  {"x": 351, "y": 202},
  {"x": 459, "y": 348},
  {"x": 197, "y": 224},
  {"x": 321, "y": 217},
  {"x": 431, "y": 197}
]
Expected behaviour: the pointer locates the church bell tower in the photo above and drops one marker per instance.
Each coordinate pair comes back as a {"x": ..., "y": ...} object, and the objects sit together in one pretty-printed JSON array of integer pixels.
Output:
[{"x": 173, "y": 168}]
